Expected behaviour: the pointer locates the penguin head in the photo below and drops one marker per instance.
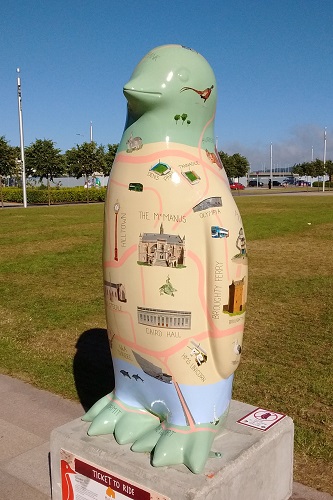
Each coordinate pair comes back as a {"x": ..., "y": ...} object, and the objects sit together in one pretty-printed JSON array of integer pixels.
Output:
[{"x": 170, "y": 78}]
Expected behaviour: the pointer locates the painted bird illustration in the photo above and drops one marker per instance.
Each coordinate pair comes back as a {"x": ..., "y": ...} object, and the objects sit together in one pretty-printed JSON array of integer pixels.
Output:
[
  {"x": 66, "y": 483},
  {"x": 204, "y": 94}
]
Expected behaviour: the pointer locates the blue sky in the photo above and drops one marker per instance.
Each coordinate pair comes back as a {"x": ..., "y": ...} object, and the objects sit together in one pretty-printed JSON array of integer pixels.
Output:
[{"x": 273, "y": 62}]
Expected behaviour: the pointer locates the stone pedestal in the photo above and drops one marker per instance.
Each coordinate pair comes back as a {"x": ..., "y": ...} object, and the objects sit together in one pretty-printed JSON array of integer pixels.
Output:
[{"x": 255, "y": 464}]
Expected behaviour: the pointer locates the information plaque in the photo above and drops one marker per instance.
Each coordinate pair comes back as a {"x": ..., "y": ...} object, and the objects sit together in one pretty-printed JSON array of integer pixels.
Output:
[
  {"x": 82, "y": 480},
  {"x": 261, "y": 419}
]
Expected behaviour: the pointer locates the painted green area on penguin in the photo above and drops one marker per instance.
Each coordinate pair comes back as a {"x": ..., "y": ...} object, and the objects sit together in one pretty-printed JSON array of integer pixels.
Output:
[{"x": 173, "y": 92}]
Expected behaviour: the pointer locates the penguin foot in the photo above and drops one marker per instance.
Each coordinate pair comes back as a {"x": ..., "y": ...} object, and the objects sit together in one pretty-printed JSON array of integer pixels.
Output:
[
  {"x": 97, "y": 407},
  {"x": 173, "y": 445},
  {"x": 169, "y": 444},
  {"x": 111, "y": 416}
]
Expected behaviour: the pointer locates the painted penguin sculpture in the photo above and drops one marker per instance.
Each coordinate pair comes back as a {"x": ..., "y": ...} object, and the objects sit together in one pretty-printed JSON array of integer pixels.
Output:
[{"x": 175, "y": 267}]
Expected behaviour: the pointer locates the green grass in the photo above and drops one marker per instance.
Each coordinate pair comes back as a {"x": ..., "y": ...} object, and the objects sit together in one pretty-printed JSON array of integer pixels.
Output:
[
  {"x": 287, "y": 358},
  {"x": 51, "y": 291}
]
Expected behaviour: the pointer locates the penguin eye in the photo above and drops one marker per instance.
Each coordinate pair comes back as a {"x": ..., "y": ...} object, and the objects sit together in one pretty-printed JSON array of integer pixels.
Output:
[{"x": 183, "y": 74}]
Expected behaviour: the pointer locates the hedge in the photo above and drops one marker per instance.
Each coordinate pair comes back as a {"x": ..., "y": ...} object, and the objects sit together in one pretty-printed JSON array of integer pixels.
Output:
[
  {"x": 320, "y": 184},
  {"x": 36, "y": 196}
]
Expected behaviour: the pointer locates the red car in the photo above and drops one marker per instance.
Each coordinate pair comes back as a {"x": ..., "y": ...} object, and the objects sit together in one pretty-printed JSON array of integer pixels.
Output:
[{"x": 236, "y": 185}]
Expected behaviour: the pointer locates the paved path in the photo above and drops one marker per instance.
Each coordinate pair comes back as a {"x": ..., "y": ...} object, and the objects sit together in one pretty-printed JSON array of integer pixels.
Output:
[{"x": 27, "y": 416}]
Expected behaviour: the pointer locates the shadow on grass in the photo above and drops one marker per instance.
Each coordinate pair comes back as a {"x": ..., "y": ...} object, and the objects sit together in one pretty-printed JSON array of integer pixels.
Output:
[{"x": 92, "y": 367}]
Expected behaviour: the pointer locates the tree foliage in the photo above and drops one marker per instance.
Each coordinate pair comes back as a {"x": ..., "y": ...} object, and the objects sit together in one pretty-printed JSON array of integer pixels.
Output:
[
  {"x": 314, "y": 168},
  {"x": 329, "y": 169},
  {"x": 7, "y": 158},
  {"x": 85, "y": 159},
  {"x": 7, "y": 161},
  {"x": 109, "y": 157},
  {"x": 235, "y": 165},
  {"x": 44, "y": 160}
]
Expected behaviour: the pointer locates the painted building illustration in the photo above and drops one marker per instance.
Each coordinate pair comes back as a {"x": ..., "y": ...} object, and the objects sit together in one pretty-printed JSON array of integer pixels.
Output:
[
  {"x": 200, "y": 355},
  {"x": 115, "y": 291},
  {"x": 164, "y": 319},
  {"x": 160, "y": 168},
  {"x": 152, "y": 370},
  {"x": 214, "y": 201},
  {"x": 236, "y": 293},
  {"x": 160, "y": 249}
]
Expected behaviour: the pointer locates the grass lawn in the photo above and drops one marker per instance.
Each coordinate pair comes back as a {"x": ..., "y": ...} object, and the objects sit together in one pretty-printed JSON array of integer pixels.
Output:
[{"x": 51, "y": 293}]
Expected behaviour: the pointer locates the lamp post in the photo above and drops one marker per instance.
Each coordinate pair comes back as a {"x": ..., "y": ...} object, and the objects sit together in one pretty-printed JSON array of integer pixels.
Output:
[
  {"x": 116, "y": 211},
  {"x": 324, "y": 159},
  {"x": 271, "y": 170},
  {"x": 19, "y": 101}
]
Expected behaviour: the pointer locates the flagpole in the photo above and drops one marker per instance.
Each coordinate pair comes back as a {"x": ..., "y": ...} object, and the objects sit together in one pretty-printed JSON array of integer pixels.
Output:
[
  {"x": 271, "y": 167},
  {"x": 91, "y": 132},
  {"x": 324, "y": 158},
  {"x": 19, "y": 100}
]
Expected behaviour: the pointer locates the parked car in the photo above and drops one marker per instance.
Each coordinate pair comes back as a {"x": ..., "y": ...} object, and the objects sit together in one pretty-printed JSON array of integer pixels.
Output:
[
  {"x": 254, "y": 183},
  {"x": 303, "y": 183},
  {"x": 236, "y": 185},
  {"x": 276, "y": 183},
  {"x": 289, "y": 181}
]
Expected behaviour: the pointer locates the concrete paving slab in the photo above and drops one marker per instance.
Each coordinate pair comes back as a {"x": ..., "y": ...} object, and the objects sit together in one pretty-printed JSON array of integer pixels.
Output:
[
  {"x": 14, "y": 440},
  {"x": 34, "y": 410},
  {"x": 11, "y": 488},
  {"x": 32, "y": 467},
  {"x": 301, "y": 492}
]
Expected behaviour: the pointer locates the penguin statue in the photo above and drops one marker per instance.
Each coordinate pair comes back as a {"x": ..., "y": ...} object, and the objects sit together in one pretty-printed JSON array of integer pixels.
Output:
[{"x": 175, "y": 267}]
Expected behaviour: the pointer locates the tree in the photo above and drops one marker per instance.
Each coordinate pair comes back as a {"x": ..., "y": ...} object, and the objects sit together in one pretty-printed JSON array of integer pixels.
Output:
[
  {"x": 300, "y": 168},
  {"x": 109, "y": 157},
  {"x": 312, "y": 169},
  {"x": 329, "y": 169},
  {"x": 183, "y": 117},
  {"x": 7, "y": 161},
  {"x": 228, "y": 167},
  {"x": 44, "y": 160},
  {"x": 241, "y": 165},
  {"x": 85, "y": 159},
  {"x": 318, "y": 167},
  {"x": 235, "y": 165}
]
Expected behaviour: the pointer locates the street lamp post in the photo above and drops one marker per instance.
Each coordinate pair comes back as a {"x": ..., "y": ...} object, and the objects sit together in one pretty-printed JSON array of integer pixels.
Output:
[
  {"x": 116, "y": 211},
  {"x": 19, "y": 101},
  {"x": 324, "y": 159},
  {"x": 271, "y": 170}
]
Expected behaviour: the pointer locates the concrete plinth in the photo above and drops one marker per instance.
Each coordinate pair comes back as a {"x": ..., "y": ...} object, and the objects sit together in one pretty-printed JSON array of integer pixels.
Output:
[{"x": 255, "y": 464}]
